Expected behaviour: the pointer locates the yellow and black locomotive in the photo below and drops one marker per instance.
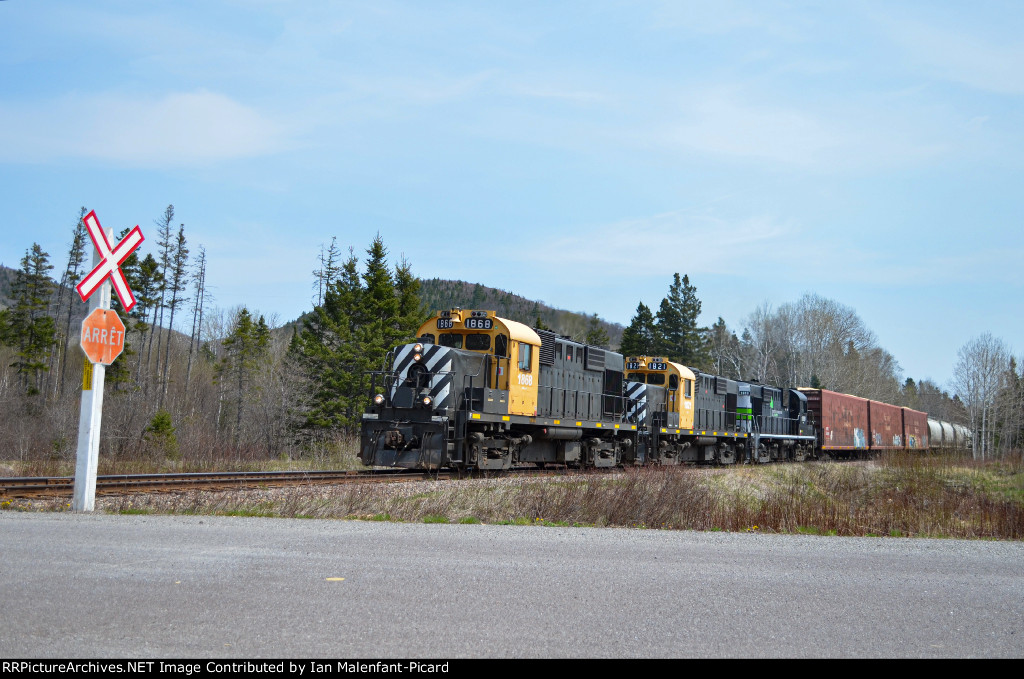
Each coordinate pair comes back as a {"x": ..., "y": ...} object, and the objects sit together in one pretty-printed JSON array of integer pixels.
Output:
[
  {"x": 482, "y": 392},
  {"x": 476, "y": 391},
  {"x": 687, "y": 416}
]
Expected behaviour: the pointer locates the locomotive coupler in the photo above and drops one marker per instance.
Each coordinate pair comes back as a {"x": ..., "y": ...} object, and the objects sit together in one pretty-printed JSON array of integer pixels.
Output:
[{"x": 393, "y": 439}]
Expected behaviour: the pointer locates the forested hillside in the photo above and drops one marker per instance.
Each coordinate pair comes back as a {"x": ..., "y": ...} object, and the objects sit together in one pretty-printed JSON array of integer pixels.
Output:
[{"x": 438, "y": 294}]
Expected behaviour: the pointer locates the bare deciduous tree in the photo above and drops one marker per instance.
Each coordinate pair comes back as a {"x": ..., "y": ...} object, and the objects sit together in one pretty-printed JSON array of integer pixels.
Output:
[{"x": 978, "y": 378}]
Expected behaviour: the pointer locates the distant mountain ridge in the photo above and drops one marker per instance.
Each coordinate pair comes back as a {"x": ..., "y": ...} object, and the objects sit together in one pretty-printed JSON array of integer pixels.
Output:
[{"x": 439, "y": 293}]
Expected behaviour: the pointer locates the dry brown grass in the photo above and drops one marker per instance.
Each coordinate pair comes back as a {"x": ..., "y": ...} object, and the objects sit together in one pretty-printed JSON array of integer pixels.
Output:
[
  {"x": 893, "y": 496},
  {"x": 336, "y": 454}
]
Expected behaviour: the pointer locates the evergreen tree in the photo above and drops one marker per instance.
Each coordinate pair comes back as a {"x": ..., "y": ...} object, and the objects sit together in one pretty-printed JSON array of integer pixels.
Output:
[
  {"x": 640, "y": 338},
  {"x": 379, "y": 307},
  {"x": 596, "y": 335},
  {"x": 411, "y": 314},
  {"x": 165, "y": 244},
  {"x": 72, "y": 274},
  {"x": 477, "y": 300},
  {"x": 325, "y": 276},
  {"x": 910, "y": 393},
  {"x": 362, "y": 317},
  {"x": 177, "y": 284},
  {"x": 726, "y": 350},
  {"x": 27, "y": 326},
  {"x": 245, "y": 350},
  {"x": 201, "y": 295},
  {"x": 146, "y": 281},
  {"x": 327, "y": 352},
  {"x": 680, "y": 338},
  {"x": 118, "y": 373}
]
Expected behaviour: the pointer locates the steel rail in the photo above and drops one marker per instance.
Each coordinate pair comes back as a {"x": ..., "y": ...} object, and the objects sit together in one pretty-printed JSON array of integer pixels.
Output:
[{"x": 121, "y": 484}]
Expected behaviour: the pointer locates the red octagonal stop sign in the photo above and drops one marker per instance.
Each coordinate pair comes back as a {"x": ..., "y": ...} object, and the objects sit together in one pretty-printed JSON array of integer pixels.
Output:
[{"x": 102, "y": 336}]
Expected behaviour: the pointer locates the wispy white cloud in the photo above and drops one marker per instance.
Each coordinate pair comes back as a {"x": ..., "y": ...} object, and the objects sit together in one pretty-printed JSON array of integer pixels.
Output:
[
  {"x": 658, "y": 243},
  {"x": 955, "y": 54},
  {"x": 177, "y": 129},
  {"x": 652, "y": 248},
  {"x": 718, "y": 122},
  {"x": 741, "y": 122},
  {"x": 728, "y": 16}
]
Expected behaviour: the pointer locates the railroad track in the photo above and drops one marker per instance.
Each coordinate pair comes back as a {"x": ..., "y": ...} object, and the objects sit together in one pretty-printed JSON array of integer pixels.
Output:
[{"x": 122, "y": 484}]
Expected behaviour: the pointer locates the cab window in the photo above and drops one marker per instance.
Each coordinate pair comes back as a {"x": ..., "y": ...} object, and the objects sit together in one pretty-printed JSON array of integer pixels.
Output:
[
  {"x": 689, "y": 388},
  {"x": 478, "y": 342},
  {"x": 673, "y": 382},
  {"x": 655, "y": 378},
  {"x": 450, "y": 339},
  {"x": 636, "y": 377},
  {"x": 524, "y": 356}
]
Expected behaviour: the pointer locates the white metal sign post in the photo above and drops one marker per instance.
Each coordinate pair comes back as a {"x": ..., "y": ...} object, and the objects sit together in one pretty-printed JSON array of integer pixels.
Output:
[
  {"x": 102, "y": 345},
  {"x": 90, "y": 417}
]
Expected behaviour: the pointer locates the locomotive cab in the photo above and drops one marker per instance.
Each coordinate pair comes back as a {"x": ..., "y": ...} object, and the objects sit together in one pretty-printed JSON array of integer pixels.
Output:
[
  {"x": 510, "y": 350},
  {"x": 661, "y": 397},
  {"x": 480, "y": 391}
]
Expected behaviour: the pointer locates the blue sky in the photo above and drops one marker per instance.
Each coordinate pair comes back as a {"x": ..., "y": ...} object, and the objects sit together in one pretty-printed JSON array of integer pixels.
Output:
[{"x": 573, "y": 152}]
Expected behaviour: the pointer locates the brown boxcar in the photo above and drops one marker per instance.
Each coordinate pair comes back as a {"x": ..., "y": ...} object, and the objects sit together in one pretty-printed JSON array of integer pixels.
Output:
[
  {"x": 886, "y": 425},
  {"x": 841, "y": 419},
  {"x": 915, "y": 429}
]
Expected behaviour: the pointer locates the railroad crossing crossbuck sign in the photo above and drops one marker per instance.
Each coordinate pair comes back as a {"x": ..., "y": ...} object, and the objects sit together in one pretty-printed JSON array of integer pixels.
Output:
[
  {"x": 110, "y": 262},
  {"x": 102, "y": 341}
]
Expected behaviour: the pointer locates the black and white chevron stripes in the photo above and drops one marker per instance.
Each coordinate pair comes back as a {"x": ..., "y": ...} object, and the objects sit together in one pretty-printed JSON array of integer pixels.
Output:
[
  {"x": 437, "y": 363},
  {"x": 636, "y": 397}
]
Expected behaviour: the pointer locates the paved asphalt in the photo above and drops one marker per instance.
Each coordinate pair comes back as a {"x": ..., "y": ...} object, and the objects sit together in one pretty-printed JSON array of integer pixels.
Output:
[{"x": 143, "y": 587}]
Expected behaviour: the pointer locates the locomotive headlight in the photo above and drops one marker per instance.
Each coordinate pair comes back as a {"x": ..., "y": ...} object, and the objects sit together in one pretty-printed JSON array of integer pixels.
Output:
[
  {"x": 418, "y": 348},
  {"x": 417, "y": 356},
  {"x": 427, "y": 400},
  {"x": 378, "y": 399}
]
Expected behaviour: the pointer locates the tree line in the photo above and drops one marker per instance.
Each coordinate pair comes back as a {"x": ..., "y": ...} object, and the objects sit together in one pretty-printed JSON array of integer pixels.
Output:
[
  {"x": 234, "y": 384},
  {"x": 820, "y": 343},
  {"x": 193, "y": 377}
]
